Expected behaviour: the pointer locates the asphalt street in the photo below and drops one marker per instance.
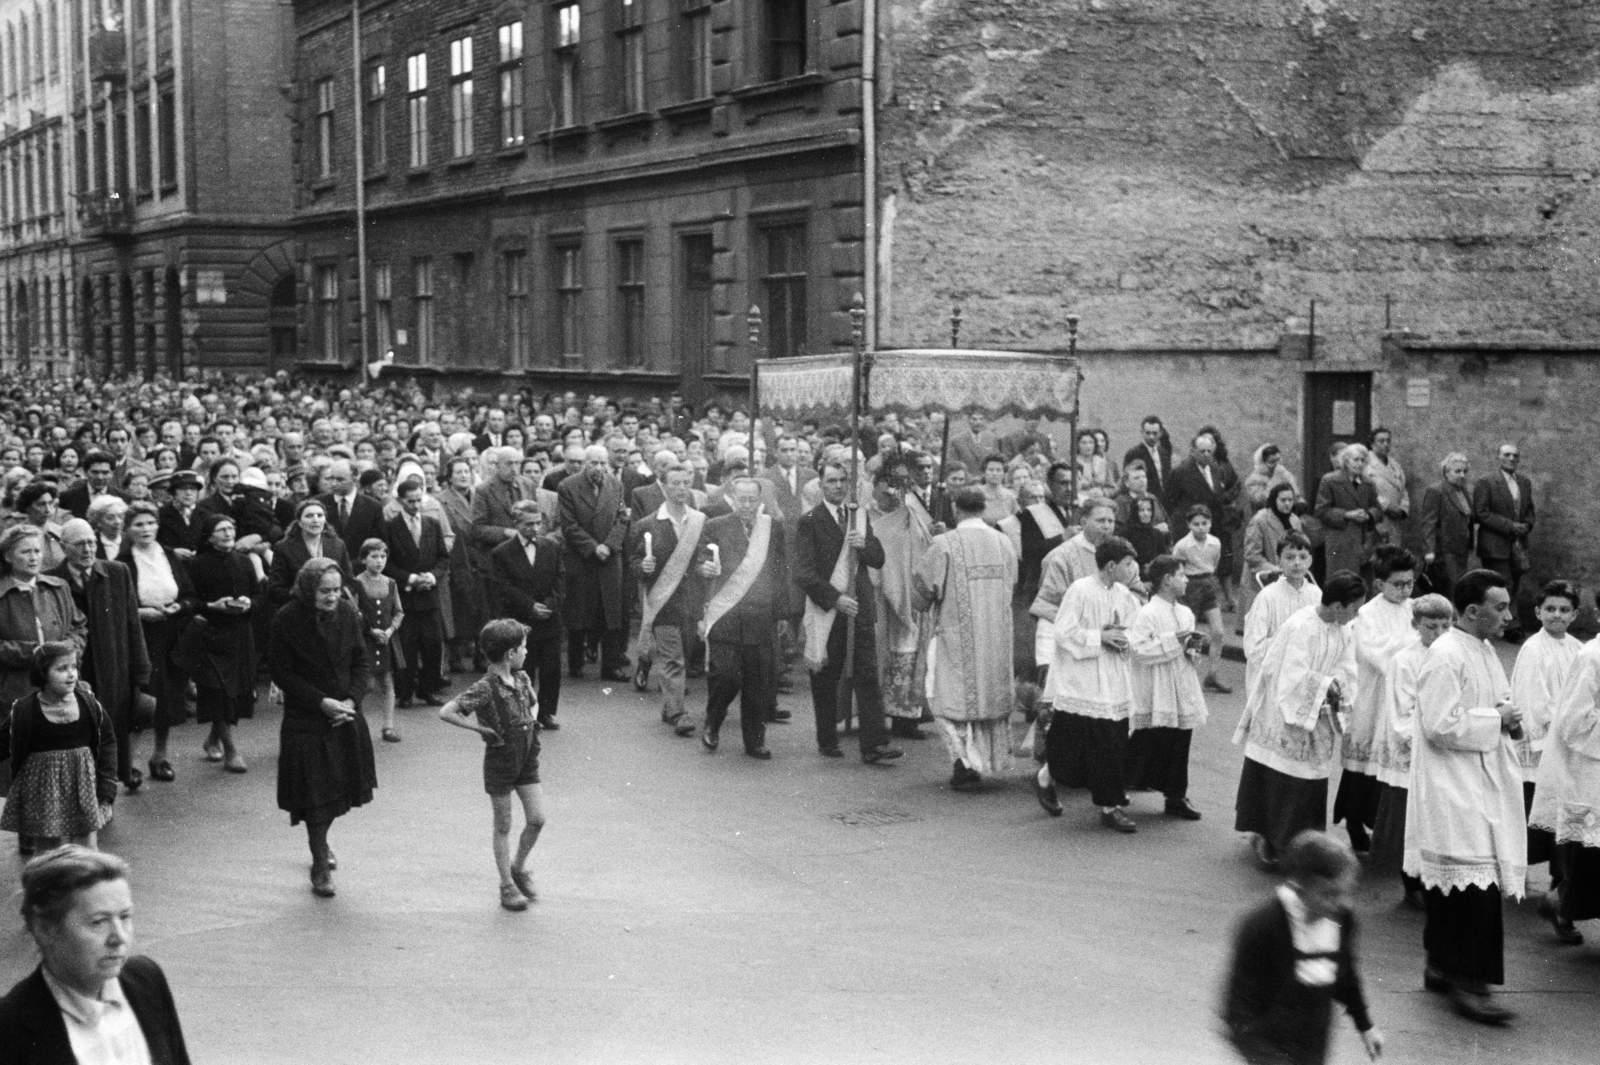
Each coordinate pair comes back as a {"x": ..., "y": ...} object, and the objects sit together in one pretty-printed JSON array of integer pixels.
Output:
[{"x": 704, "y": 909}]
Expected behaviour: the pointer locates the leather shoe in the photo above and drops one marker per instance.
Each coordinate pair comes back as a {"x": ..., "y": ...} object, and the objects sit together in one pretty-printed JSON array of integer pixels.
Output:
[
  {"x": 614, "y": 675},
  {"x": 683, "y": 727},
  {"x": 404, "y": 704},
  {"x": 709, "y": 739},
  {"x": 135, "y": 779},
  {"x": 885, "y": 753},
  {"x": 830, "y": 752},
  {"x": 1566, "y": 931},
  {"x": 1046, "y": 794},
  {"x": 235, "y": 764},
  {"x": 759, "y": 753},
  {"x": 1479, "y": 1006},
  {"x": 1436, "y": 981},
  {"x": 161, "y": 769},
  {"x": 641, "y": 677},
  {"x": 548, "y": 724},
  {"x": 963, "y": 778},
  {"x": 1212, "y": 684},
  {"x": 1183, "y": 810},
  {"x": 1118, "y": 820},
  {"x": 780, "y": 715},
  {"x": 524, "y": 881},
  {"x": 512, "y": 899},
  {"x": 322, "y": 883},
  {"x": 432, "y": 700},
  {"x": 906, "y": 729}
]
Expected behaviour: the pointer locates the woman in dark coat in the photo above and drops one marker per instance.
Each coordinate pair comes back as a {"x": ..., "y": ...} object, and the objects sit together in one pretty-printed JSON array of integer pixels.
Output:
[
  {"x": 167, "y": 602},
  {"x": 308, "y": 537},
  {"x": 318, "y": 656},
  {"x": 218, "y": 650},
  {"x": 466, "y": 589}
]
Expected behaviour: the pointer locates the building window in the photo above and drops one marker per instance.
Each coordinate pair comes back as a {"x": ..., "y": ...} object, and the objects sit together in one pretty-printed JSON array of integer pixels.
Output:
[
  {"x": 694, "y": 303},
  {"x": 53, "y": 22},
  {"x": 783, "y": 282},
  {"x": 167, "y": 135},
  {"x": 375, "y": 129},
  {"x": 511, "y": 124},
  {"x": 567, "y": 41},
  {"x": 786, "y": 38},
  {"x": 164, "y": 32},
  {"x": 417, "y": 107},
  {"x": 694, "y": 49},
  {"x": 56, "y": 166},
  {"x": 630, "y": 53},
  {"x": 119, "y": 144},
  {"x": 516, "y": 275},
  {"x": 142, "y": 148},
  {"x": 80, "y": 137},
  {"x": 383, "y": 307},
  {"x": 422, "y": 310},
  {"x": 461, "y": 97},
  {"x": 569, "y": 300},
  {"x": 325, "y": 128},
  {"x": 328, "y": 312},
  {"x": 25, "y": 60},
  {"x": 630, "y": 301}
]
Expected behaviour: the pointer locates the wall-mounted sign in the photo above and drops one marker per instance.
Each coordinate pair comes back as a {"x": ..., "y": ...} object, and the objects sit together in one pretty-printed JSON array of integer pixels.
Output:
[
  {"x": 210, "y": 286},
  {"x": 1419, "y": 392}
]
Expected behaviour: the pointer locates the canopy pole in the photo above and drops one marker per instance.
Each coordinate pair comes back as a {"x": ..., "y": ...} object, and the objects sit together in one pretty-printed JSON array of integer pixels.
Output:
[{"x": 1072, "y": 420}]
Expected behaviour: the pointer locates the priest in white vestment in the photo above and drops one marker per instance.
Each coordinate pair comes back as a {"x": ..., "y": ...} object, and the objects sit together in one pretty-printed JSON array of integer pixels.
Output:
[{"x": 1567, "y": 802}]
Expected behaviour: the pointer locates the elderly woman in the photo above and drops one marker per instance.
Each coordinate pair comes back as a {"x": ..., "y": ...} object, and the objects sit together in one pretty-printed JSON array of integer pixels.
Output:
[
  {"x": 35, "y": 608},
  {"x": 1348, "y": 508},
  {"x": 90, "y": 993},
  {"x": 318, "y": 656},
  {"x": 1136, "y": 486},
  {"x": 1267, "y": 474},
  {"x": 308, "y": 537},
  {"x": 218, "y": 649},
  {"x": 36, "y": 504},
  {"x": 167, "y": 601},
  {"x": 106, "y": 517}
]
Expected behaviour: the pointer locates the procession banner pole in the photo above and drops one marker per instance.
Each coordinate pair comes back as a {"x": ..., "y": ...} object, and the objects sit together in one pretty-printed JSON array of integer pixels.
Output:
[
  {"x": 938, "y": 493},
  {"x": 753, "y": 322},
  {"x": 845, "y": 703},
  {"x": 1072, "y": 420}
]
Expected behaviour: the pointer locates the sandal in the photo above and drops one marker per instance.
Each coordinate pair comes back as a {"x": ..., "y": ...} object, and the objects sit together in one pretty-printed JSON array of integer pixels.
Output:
[
  {"x": 524, "y": 882},
  {"x": 512, "y": 899},
  {"x": 391, "y": 735}
]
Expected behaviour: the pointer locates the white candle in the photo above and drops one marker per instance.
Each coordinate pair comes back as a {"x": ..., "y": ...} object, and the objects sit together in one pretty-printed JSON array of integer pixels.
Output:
[
  {"x": 648, "y": 549},
  {"x": 716, "y": 554}
]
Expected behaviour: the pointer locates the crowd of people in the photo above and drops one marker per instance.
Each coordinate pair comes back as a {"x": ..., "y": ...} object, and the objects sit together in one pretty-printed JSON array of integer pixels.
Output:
[{"x": 168, "y": 546}]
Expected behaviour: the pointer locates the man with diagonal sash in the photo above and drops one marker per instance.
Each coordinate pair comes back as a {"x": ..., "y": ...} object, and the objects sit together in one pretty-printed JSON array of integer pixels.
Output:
[{"x": 663, "y": 561}]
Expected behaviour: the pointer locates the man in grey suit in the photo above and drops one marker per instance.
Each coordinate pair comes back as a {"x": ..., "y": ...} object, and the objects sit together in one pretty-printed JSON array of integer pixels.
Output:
[{"x": 1502, "y": 503}]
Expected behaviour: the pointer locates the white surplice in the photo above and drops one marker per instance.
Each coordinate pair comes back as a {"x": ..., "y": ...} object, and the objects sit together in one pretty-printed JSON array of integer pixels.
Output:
[
  {"x": 1567, "y": 801},
  {"x": 1287, "y": 723},
  {"x": 1164, "y": 685},
  {"x": 1087, "y": 677},
  {"x": 1391, "y": 751},
  {"x": 1465, "y": 825},
  {"x": 1274, "y": 605},
  {"x": 1067, "y": 562},
  {"x": 1382, "y": 629},
  {"x": 1537, "y": 680}
]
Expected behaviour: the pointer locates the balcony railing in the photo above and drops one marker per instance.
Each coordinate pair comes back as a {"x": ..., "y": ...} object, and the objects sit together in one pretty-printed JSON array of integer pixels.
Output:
[
  {"x": 105, "y": 214},
  {"x": 108, "y": 56}
]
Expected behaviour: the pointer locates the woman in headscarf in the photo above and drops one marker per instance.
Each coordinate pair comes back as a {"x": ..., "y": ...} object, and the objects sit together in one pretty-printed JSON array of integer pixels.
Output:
[
  {"x": 218, "y": 648},
  {"x": 319, "y": 657},
  {"x": 1267, "y": 528},
  {"x": 308, "y": 537},
  {"x": 1267, "y": 474}
]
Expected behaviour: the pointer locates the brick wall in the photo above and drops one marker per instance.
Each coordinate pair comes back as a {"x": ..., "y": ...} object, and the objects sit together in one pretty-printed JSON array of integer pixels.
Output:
[{"x": 1195, "y": 171}]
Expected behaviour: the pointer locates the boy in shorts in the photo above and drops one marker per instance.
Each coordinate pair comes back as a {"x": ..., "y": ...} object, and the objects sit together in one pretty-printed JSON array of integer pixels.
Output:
[
  {"x": 1200, "y": 552},
  {"x": 506, "y": 710}
]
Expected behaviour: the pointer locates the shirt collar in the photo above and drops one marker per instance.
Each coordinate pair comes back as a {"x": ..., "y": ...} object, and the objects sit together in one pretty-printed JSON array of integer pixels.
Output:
[
  {"x": 86, "y": 1011},
  {"x": 972, "y": 523},
  {"x": 10, "y": 582}
]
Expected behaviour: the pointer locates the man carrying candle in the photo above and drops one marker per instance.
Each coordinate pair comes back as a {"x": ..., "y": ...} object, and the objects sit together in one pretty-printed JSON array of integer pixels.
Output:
[{"x": 663, "y": 564}]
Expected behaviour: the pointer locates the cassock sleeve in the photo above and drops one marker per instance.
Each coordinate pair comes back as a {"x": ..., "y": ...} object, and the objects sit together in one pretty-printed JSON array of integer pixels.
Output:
[
  {"x": 1577, "y": 716},
  {"x": 1258, "y": 626},
  {"x": 1443, "y": 718},
  {"x": 928, "y": 582},
  {"x": 1302, "y": 690},
  {"x": 1150, "y": 643},
  {"x": 1074, "y": 633},
  {"x": 1535, "y": 686},
  {"x": 1400, "y": 695},
  {"x": 1052, "y": 585},
  {"x": 1377, "y": 644}
]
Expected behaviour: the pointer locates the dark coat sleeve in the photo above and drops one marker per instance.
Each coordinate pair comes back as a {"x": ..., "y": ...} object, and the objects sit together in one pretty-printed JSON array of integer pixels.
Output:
[
  {"x": 145, "y": 986},
  {"x": 105, "y": 755},
  {"x": 808, "y": 572},
  {"x": 1248, "y": 994},
  {"x": 1347, "y": 989},
  {"x": 138, "y": 652},
  {"x": 1483, "y": 509},
  {"x": 360, "y": 654},
  {"x": 511, "y": 596},
  {"x": 281, "y": 658}
]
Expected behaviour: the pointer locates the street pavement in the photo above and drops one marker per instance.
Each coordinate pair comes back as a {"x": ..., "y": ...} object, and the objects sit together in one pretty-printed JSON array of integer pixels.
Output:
[{"x": 704, "y": 909}]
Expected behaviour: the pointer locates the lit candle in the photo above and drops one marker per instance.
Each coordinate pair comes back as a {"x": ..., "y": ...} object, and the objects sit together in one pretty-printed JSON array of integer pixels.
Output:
[
  {"x": 648, "y": 549},
  {"x": 716, "y": 554}
]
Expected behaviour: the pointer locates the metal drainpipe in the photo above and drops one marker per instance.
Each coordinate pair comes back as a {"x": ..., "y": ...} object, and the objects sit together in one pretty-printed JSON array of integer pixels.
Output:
[
  {"x": 361, "y": 182},
  {"x": 869, "y": 168}
]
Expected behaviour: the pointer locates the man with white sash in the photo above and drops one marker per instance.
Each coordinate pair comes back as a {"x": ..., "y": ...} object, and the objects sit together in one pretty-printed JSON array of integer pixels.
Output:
[
  {"x": 745, "y": 557},
  {"x": 663, "y": 557},
  {"x": 834, "y": 602}
]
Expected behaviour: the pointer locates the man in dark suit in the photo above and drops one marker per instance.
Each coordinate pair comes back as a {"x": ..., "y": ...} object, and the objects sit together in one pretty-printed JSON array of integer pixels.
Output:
[
  {"x": 98, "y": 469},
  {"x": 645, "y": 495},
  {"x": 594, "y": 529},
  {"x": 492, "y": 501},
  {"x": 418, "y": 561},
  {"x": 819, "y": 546},
  {"x": 740, "y": 615},
  {"x": 494, "y": 432},
  {"x": 1446, "y": 524},
  {"x": 525, "y": 584},
  {"x": 1502, "y": 503},
  {"x": 1155, "y": 451},
  {"x": 353, "y": 515}
]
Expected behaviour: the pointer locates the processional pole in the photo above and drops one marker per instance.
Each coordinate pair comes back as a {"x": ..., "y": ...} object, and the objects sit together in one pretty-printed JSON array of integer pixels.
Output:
[
  {"x": 753, "y": 321},
  {"x": 858, "y": 315},
  {"x": 937, "y": 495},
  {"x": 1072, "y": 419}
]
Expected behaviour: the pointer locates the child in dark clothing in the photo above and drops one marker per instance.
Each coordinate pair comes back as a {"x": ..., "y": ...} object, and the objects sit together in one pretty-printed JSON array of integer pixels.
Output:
[{"x": 1294, "y": 956}]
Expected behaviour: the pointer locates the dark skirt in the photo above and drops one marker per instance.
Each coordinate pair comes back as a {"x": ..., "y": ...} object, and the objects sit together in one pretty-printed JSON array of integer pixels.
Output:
[
  {"x": 1464, "y": 934},
  {"x": 1389, "y": 831},
  {"x": 215, "y": 704},
  {"x": 167, "y": 682},
  {"x": 1541, "y": 842},
  {"x": 1356, "y": 801},
  {"x": 1278, "y": 807},
  {"x": 323, "y": 773},
  {"x": 1580, "y": 881},
  {"x": 1158, "y": 760},
  {"x": 1088, "y": 752}
]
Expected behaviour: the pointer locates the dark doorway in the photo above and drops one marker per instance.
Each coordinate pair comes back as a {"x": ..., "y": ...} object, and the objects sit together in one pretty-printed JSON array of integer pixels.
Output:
[
  {"x": 91, "y": 354},
  {"x": 172, "y": 308},
  {"x": 694, "y": 314},
  {"x": 1338, "y": 410},
  {"x": 151, "y": 359},
  {"x": 22, "y": 326},
  {"x": 125, "y": 359},
  {"x": 282, "y": 325}
]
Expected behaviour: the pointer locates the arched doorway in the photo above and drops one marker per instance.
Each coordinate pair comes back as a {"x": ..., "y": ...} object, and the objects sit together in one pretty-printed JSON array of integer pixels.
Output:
[
  {"x": 173, "y": 308},
  {"x": 283, "y": 325},
  {"x": 22, "y": 326}
]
